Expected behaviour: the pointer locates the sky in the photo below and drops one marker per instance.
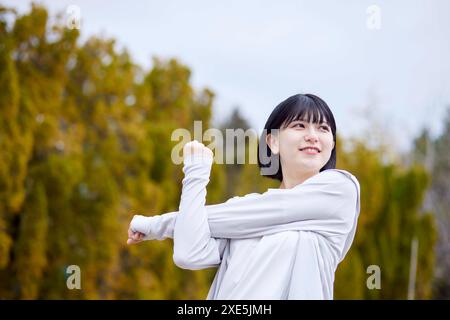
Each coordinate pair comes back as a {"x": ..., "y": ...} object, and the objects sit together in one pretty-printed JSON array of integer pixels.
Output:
[{"x": 377, "y": 64}]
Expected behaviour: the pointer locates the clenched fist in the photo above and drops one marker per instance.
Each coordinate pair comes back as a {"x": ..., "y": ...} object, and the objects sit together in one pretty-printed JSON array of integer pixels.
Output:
[
  {"x": 195, "y": 148},
  {"x": 134, "y": 236}
]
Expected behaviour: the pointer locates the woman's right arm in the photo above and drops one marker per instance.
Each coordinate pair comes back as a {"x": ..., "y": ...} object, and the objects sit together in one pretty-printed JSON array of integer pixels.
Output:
[{"x": 161, "y": 227}]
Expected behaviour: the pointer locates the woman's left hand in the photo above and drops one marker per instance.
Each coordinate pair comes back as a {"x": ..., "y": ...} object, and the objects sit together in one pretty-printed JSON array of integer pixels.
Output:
[{"x": 196, "y": 148}]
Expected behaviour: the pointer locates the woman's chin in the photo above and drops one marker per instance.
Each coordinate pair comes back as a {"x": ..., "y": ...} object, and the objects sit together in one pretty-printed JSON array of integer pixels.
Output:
[{"x": 309, "y": 165}]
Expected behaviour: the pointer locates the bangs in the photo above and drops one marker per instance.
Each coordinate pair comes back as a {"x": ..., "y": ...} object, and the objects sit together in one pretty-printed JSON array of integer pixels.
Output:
[{"x": 309, "y": 110}]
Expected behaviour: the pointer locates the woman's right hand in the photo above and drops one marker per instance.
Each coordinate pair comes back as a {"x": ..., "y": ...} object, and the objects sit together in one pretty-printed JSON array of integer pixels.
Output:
[{"x": 134, "y": 236}]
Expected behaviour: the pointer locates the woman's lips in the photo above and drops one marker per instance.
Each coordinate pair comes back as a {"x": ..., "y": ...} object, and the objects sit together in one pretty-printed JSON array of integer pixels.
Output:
[{"x": 310, "y": 150}]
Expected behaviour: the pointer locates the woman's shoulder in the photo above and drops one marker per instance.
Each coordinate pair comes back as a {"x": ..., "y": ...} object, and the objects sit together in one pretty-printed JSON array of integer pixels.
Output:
[
  {"x": 344, "y": 177},
  {"x": 340, "y": 173},
  {"x": 336, "y": 176}
]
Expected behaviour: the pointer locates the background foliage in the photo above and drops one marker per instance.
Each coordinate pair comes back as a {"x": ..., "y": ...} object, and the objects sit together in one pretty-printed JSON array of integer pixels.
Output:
[{"x": 85, "y": 144}]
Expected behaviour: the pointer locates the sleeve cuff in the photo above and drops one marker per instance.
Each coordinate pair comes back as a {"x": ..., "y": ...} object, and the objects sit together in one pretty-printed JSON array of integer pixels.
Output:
[
  {"x": 198, "y": 158},
  {"x": 143, "y": 225}
]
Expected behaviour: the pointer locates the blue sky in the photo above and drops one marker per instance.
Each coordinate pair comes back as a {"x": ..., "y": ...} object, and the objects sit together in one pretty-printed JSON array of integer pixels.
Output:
[{"x": 254, "y": 54}]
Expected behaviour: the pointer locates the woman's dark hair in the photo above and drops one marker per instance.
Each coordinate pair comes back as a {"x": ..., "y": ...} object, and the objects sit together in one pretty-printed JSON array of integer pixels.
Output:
[{"x": 296, "y": 107}]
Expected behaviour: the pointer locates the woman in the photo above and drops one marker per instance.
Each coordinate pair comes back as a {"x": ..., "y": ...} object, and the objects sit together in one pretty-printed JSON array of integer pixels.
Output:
[{"x": 285, "y": 243}]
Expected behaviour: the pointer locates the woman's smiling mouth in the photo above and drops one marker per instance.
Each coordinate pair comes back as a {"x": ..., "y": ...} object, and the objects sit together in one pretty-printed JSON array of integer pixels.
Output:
[{"x": 310, "y": 150}]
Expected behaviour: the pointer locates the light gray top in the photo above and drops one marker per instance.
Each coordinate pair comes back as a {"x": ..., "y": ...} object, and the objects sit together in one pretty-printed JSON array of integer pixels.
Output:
[{"x": 281, "y": 244}]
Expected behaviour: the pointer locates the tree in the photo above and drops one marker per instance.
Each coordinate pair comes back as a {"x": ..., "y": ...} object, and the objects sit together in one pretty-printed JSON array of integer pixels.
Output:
[
  {"x": 434, "y": 154},
  {"x": 391, "y": 216},
  {"x": 86, "y": 145}
]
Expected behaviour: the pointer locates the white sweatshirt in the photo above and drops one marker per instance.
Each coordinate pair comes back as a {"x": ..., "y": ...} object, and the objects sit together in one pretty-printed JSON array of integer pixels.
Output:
[{"x": 281, "y": 244}]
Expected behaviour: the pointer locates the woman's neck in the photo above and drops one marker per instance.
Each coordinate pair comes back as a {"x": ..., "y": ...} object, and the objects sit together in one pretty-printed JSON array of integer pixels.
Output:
[{"x": 290, "y": 182}]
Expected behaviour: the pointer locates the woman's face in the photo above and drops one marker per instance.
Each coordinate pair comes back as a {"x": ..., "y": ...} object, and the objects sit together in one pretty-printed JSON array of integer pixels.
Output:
[{"x": 304, "y": 147}]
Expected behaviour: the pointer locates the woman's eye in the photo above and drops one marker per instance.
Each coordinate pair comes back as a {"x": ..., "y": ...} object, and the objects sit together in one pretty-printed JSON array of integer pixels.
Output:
[
  {"x": 324, "y": 127},
  {"x": 299, "y": 124}
]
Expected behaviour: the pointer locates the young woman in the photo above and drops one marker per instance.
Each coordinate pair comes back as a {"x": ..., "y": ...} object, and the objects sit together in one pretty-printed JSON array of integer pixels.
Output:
[{"x": 285, "y": 243}]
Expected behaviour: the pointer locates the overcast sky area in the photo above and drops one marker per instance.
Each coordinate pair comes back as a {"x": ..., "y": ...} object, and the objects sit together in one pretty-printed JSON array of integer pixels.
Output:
[{"x": 386, "y": 61}]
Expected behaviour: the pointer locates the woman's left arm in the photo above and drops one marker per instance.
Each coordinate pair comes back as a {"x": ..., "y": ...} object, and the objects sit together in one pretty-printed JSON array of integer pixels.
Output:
[
  {"x": 193, "y": 246},
  {"x": 327, "y": 203}
]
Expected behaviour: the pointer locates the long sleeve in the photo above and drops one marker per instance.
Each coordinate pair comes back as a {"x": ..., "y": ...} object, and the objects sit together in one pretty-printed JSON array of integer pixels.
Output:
[
  {"x": 327, "y": 203},
  {"x": 194, "y": 248}
]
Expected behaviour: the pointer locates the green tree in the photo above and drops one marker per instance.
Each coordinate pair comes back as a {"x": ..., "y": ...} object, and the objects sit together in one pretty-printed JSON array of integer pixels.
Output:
[
  {"x": 391, "y": 216},
  {"x": 434, "y": 154},
  {"x": 86, "y": 144}
]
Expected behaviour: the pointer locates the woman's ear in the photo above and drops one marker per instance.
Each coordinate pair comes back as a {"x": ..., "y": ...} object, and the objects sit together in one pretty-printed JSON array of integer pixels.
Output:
[{"x": 272, "y": 142}]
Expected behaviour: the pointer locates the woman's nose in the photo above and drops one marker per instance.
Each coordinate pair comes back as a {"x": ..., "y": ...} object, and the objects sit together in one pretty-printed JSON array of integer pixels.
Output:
[{"x": 311, "y": 136}]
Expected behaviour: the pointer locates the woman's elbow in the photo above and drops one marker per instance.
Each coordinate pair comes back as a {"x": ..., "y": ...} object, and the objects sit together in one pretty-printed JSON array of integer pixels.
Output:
[
  {"x": 182, "y": 262},
  {"x": 193, "y": 262}
]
